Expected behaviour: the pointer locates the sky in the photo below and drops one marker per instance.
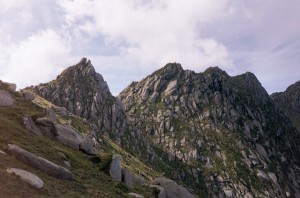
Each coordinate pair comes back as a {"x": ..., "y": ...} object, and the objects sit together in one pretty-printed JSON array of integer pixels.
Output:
[{"x": 126, "y": 40}]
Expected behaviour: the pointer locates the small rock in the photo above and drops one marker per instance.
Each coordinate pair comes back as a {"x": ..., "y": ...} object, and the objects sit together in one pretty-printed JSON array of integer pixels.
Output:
[
  {"x": 29, "y": 124},
  {"x": 28, "y": 177},
  {"x": 6, "y": 99},
  {"x": 115, "y": 168},
  {"x": 261, "y": 174},
  {"x": 135, "y": 195},
  {"x": 68, "y": 164}
]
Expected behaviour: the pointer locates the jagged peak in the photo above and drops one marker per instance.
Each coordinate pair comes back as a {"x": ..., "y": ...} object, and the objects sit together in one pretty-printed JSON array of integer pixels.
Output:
[{"x": 215, "y": 72}]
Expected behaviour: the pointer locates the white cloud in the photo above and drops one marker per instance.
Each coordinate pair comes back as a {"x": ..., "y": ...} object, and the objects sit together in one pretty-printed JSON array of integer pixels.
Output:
[
  {"x": 132, "y": 38},
  {"x": 153, "y": 32},
  {"x": 38, "y": 59}
]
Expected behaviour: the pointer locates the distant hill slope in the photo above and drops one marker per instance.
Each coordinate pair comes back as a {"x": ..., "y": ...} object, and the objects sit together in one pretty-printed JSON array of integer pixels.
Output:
[
  {"x": 227, "y": 128},
  {"x": 289, "y": 103}
]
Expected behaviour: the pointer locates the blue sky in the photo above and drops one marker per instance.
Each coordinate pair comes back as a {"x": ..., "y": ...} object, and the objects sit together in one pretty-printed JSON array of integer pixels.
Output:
[{"x": 129, "y": 39}]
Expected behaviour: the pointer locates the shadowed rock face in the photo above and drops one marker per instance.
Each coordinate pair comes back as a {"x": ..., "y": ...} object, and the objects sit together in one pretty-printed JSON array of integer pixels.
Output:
[
  {"x": 227, "y": 128},
  {"x": 289, "y": 103}
]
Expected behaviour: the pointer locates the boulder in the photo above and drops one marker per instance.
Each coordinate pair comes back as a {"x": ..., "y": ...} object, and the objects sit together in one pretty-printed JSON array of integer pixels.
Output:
[
  {"x": 68, "y": 137},
  {"x": 160, "y": 190},
  {"x": 173, "y": 190},
  {"x": 127, "y": 178},
  {"x": 40, "y": 163},
  {"x": 115, "y": 168},
  {"x": 6, "y": 99},
  {"x": 28, "y": 177},
  {"x": 28, "y": 95},
  {"x": 87, "y": 146}
]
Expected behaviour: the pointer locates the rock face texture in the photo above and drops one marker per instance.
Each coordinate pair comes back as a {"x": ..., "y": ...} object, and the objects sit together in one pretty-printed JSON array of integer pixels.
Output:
[
  {"x": 28, "y": 177},
  {"x": 84, "y": 93},
  {"x": 289, "y": 103},
  {"x": 226, "y": 130},
  {"x": 40, "y": 163}
]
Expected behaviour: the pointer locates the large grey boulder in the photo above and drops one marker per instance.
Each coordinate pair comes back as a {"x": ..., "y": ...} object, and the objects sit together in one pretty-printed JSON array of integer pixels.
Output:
[
  {"x": 128, "y": 180},
  {"x": 28, "y": 177},
  {"x": 6, "y": 99},
  {"x": 40, "y": 163},
  {"x": 68, "y": 137},
  {"x": 173, "y": 190},
  {"x": 28, "y": 95},
  {"x": 115, "y": 168}
]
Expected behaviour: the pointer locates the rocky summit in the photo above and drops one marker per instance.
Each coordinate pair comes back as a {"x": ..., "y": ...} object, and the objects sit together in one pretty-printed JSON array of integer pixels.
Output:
[
  {"x": 176, "y": 133},
  {"x": 228, "y": 129}
]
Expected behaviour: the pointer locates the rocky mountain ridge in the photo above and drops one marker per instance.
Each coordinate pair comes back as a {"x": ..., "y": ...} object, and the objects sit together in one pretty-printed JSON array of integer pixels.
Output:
[
  {"x": 222, "y": 136},
  {"x": 228, "y": 128}
]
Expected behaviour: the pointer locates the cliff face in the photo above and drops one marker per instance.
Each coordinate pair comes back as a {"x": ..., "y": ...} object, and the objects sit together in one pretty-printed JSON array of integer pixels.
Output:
[
  {"x": 289, "y": 103},
  {"x": 227, "y": 128}
]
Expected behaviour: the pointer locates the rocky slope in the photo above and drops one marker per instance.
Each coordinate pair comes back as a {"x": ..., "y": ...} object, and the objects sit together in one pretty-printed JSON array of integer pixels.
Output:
[
  {"x": 84, "y": 93},
  {"x": 226, "y": 128},
  {"x": 289, "y": 103}
]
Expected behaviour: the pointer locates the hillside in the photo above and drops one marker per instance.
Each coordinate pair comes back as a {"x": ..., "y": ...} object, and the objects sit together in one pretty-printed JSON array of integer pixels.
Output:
[{"x": 90, "y": 172}]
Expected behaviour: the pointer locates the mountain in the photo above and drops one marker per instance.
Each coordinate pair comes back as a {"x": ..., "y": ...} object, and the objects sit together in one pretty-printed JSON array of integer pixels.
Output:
[
  {"x": 289, "y": 103},
  {"x": 227, "y": 128},
  {"x": 176, "y": 133}
]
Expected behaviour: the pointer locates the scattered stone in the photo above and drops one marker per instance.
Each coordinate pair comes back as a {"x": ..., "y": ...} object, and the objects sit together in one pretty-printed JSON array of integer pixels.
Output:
[
  {"x": 173, "y": 190},
  {"x": 115, "y": 168},
  {"x": 40, "y": 163},
  {"x": 28, "y": 177},
  {"x": 6, "y": 99},
  {"x": 135, "y": 195},
  {"x": 127, "y": 178},
  {"x": 161, "y": 191}
]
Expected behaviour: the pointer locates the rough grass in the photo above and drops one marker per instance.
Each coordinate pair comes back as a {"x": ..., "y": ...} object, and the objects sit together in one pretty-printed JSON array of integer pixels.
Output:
[{"x": 90, "y": 179}]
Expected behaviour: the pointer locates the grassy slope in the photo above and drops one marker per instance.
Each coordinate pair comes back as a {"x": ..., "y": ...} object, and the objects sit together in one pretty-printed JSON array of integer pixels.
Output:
[{"x": 90, "y": 180}]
